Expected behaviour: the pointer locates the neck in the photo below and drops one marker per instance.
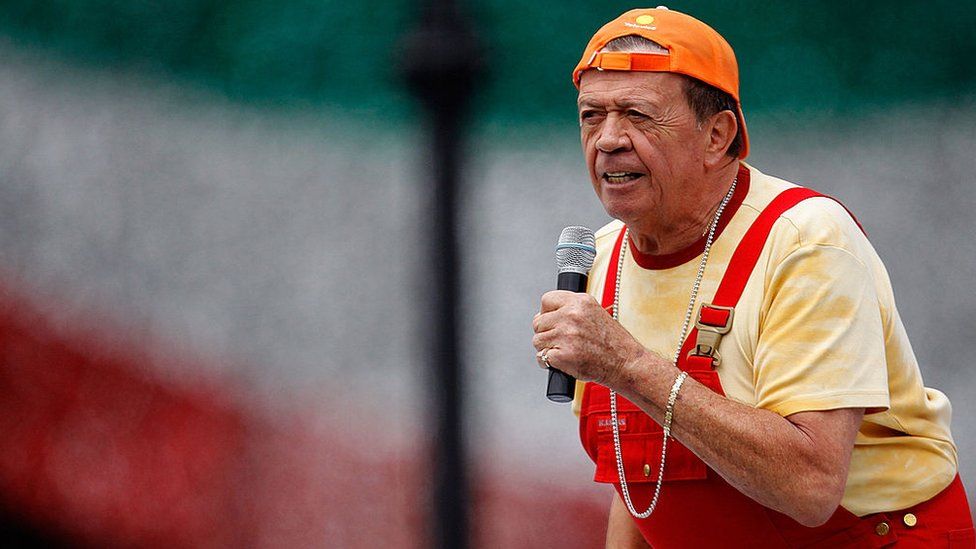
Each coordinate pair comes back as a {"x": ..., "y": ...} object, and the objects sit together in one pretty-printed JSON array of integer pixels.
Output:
[{"x": 685, "y": 222}]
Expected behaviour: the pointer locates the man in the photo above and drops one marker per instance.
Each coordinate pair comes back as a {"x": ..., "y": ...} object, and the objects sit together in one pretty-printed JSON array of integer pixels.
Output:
[{"x": 754, "y": 324}]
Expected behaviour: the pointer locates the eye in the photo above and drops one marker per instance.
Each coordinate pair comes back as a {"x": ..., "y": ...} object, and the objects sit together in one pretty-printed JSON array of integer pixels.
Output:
[
  {"x": 636, "y": 115},
  {"x": 589, "y": 116}
]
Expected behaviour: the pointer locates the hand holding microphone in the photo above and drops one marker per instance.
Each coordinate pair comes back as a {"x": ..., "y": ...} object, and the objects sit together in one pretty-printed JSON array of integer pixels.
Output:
[{"x": 575, "y": 253}]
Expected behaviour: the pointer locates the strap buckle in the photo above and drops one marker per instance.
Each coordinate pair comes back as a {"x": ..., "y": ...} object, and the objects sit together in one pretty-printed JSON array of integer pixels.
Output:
[{"x": 713, "y": 322}]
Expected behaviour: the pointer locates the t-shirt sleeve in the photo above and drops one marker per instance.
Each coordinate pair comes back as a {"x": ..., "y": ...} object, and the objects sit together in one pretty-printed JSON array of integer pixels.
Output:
[{"x": 821, "y": 340}]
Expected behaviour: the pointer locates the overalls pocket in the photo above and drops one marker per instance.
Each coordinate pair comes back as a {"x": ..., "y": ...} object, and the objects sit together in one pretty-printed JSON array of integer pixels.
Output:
[
  {"x": 642, "y": 459},
  {"x": 641, "y": 439}
]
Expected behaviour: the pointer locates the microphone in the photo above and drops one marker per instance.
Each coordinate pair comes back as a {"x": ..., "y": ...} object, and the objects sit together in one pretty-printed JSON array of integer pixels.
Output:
[{"x": 575, "y": 252}]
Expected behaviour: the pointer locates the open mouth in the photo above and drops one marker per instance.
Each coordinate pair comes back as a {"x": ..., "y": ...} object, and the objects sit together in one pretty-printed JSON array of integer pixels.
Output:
[{"x": 620, "y": 177}]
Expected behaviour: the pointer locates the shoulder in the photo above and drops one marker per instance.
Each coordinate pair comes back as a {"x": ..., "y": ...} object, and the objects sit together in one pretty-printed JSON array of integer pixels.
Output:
[{"x": 815, "y": 221}]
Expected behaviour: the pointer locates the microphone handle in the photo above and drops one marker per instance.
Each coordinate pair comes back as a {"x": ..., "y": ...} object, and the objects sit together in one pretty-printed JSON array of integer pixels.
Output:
[{"x": 562, "y": 386}]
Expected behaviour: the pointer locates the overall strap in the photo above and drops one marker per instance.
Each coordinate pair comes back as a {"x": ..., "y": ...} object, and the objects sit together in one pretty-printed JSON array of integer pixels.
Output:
[
  {"x": 610, "y": 286},
  {"x": 719, "y": 311}
]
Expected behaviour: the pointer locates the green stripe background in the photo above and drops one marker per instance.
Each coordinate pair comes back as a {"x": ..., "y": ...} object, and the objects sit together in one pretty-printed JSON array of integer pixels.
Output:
[{"x": 826, "y": 57}]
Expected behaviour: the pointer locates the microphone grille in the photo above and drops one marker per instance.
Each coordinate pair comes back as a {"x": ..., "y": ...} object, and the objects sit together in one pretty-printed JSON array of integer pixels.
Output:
[{"x": 575, "y": 250}]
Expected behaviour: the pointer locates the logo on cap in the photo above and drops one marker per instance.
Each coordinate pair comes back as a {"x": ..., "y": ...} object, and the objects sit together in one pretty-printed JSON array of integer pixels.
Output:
[{"x": 645, "y": 22}]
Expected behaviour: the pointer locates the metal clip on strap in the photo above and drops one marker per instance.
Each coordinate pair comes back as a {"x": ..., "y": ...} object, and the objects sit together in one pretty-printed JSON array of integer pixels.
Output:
[{"x": 713, "y": 322}]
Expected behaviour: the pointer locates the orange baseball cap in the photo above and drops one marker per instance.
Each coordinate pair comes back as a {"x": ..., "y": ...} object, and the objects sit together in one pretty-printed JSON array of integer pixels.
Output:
[{"x": 694, "y": 49}]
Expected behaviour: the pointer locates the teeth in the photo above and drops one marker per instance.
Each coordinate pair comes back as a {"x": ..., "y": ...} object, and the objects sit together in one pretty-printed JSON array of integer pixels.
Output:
[{"x": 620, "y": 177}]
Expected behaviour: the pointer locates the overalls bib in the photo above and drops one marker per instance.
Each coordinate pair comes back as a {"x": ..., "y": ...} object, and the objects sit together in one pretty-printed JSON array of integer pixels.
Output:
[{"x": 698, "y": 508}]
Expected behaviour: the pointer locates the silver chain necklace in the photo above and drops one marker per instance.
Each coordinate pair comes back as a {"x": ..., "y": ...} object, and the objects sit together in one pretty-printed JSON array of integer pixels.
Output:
[{"x": 674, "y": 361}]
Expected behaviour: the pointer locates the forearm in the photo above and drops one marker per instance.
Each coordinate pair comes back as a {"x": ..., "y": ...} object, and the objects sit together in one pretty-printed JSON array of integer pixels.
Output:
[{"x": 762, "y": 454}]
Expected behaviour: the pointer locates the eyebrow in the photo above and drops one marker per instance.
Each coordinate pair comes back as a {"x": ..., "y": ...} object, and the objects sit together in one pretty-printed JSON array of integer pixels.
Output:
[{"x": 624, "y": 103}]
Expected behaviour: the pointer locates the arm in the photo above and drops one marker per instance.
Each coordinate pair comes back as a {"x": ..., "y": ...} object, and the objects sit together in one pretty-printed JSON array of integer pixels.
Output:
[
  {"x": 796, "y": 465},
  {"x": 622, "y": 532}
]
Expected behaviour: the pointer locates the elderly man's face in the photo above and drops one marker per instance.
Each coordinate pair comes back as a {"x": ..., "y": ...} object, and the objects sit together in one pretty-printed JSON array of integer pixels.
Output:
[{"x": 641, "y": 141}]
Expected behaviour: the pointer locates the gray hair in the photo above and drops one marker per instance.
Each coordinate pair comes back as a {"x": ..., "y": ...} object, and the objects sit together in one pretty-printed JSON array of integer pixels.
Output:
[{"x": 633, "y": 43}]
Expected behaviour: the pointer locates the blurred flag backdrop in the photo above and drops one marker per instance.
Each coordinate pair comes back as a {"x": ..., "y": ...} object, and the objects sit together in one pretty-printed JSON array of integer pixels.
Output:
[{"x": 212, "y": 227}]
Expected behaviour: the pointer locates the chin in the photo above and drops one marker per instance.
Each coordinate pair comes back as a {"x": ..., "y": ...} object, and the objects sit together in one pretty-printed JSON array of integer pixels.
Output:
[
  {"x": 628, "y": 205},
  {"x": 623, "y": 210},
  {"x": 626, "y": 215}
]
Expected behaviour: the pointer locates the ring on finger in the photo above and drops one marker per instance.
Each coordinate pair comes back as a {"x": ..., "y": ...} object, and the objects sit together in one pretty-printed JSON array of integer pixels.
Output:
[{"x": 545, "y": 357}]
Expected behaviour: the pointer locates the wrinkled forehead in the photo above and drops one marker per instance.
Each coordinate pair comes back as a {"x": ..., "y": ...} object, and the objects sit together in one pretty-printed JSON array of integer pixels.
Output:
[{"x": 618, "y": 87}]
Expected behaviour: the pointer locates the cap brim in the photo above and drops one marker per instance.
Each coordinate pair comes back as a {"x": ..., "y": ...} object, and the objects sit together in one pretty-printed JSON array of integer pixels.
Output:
[{"x": 745, "y": 135}]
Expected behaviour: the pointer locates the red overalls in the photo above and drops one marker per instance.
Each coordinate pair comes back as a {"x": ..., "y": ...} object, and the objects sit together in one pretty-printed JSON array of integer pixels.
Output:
[{"x": 698, "y": 508}]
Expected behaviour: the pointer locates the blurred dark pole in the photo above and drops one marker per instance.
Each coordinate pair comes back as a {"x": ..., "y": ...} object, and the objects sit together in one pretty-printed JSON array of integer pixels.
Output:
[{"x": 442, "y": 62}]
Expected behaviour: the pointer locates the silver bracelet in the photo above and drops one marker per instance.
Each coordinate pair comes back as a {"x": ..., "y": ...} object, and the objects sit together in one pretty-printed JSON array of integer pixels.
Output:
[{"x": 669, "y": 411}]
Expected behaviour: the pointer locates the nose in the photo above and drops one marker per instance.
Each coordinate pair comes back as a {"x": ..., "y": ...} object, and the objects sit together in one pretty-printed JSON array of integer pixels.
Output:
[{"x": 613, "y": 136}]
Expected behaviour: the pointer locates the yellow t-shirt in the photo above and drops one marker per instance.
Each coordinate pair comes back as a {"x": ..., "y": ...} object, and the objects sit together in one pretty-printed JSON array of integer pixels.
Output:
[{"x": 816, "y": 328}]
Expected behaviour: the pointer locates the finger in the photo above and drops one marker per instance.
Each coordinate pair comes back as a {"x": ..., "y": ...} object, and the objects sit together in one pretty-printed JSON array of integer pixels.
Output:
[
  {"x": 557, "y": 360},
  {"x": 555, "y": 299},
  {"x": 543, "y": 322},
  {"x": 540, "y": 358},
  {"x": 544, "y": 357},
  {"x": 543, "y": 341}
]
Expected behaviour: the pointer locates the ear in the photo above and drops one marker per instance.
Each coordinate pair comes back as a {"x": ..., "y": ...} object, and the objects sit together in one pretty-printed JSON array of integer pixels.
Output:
[{"x": 721, "y": 129}]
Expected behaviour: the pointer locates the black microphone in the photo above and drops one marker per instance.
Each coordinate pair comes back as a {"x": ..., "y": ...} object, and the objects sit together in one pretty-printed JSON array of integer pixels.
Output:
[{"x": 575, "y": 252}]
